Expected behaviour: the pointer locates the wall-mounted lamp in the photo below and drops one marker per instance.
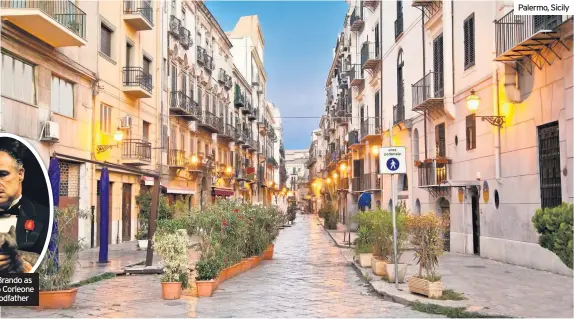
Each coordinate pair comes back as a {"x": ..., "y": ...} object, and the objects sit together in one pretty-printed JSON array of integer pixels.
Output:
[
  {"x": 473, "y": 102},
  {"x": 375, "y": 150},
  {"x": 118, "y": 136}
]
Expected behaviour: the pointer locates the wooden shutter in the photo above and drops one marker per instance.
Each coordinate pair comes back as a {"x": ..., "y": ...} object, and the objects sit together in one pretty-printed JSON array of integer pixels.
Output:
[
  {"x": 440, "y": 140},
  {"x": 438, "y": 61},
  {"x": 469, "y": 42},
  {"x": 106, "y": 41},
  {"x": 173, "y": 78},
  {"x": 377, "y": 110},
  {"x": 357, "y": 168},
  {"x": 470, "y": 132}
]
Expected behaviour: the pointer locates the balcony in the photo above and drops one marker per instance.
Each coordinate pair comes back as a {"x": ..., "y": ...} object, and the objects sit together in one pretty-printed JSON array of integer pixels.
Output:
[
  {"x": 136, "y": 82},
  {"x": 185, "y": 37},
  {"x": 255, "y": 80},
  {"x": 248, "y": 109},
  {"x": 371, "y": 3},
  {"x": 428, "y": 94},
  {"x": 205, "y": 60},
  {"x": 356, "y": 76},
  {"x": 398, "y": 26},
  {"x": 222, "y": 76},
  {"x": 520, "y": 36},
  {"x": 139, "y": 14},
  {"x": 136, "y": 152},
  {"x": 433, "y": 172},
  {"x": 357, "y": 23},
  {"x": 253, "y": 146},
  {"x": 253, "y": 115},
  {"x": 239, "y": 98},
  {"x": 181, "y": 104},
  {"x": 239, "y": 137},
  {"x": 246, "y": 138},
  {"x": 370, "y": 55},
  {"x": 228, "y": 132},
  {"x": 174, "y": 26},
  {"x": 312, "y": 154},
  {"x": 429, "y": 7},
  {"x": 211, "y": 122},
  {"x": 176, "y": 158},
  {"x": 371, "y": 129},
  {"x": 228, "y": 82},
  {"x": 58, "y": 23}
]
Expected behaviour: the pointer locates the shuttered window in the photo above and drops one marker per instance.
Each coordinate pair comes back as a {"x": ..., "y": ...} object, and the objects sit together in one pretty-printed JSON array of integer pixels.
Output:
[
  {"x": 377, "y": 110},
  {"x": 469, "y": 42},
  {"x": 438, "y": 61},
  {"x": 440, "y": 140},
  {"x": 164, "y": 137},
  {"x": 106, "y": 40},
  {"x": 470, "y": 132},
  {"x": 173, "y": 78},
  {"x": 191, "y": 89}
]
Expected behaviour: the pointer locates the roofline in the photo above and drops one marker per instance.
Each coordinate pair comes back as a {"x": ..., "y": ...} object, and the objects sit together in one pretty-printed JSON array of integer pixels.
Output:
[{"x": 212, "y": 19}]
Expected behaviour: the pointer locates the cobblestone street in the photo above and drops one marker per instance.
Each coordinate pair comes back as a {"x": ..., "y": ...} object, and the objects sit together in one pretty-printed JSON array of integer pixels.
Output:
[{"x": 308, "y": 277}]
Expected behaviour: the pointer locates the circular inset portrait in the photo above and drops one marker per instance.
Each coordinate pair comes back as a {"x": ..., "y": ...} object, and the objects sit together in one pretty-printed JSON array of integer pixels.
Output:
[{"x": 26, "y": 206}]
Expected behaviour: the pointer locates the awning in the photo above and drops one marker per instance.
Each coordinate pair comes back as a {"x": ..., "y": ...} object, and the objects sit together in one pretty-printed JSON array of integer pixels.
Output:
[
  {"x": 181, "y": 191},
  {"x": 221, "y": 191},
  {"x": 364, "y": 199}
]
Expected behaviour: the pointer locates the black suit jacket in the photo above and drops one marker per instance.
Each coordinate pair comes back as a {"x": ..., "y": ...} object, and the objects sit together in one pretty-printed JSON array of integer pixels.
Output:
[{"x": 34, "y": 240}]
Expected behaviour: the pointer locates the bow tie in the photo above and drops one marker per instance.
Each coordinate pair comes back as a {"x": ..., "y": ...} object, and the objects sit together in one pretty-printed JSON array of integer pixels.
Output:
[{"x": 14, "y": 210}]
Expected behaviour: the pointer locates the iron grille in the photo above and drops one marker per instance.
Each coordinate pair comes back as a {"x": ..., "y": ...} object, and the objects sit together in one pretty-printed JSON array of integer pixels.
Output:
[{"x": 549, "y": 161}]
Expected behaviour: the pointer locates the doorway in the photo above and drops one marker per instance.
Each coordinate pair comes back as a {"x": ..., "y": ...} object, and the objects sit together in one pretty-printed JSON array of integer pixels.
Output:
[
  {"x": 126, "y": 212},
  {"x": 444, "y": 208},
  {"x": 475, "y": 221}
]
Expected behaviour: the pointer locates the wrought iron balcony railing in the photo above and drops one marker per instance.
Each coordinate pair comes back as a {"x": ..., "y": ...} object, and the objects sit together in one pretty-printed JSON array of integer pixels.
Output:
[
  {"x": 144, "y": 7},
  {"x": 433, "y": 172},
  {"x": 200, "y": 55},
  {"x": 428, "y": 89},
  {"x": 356, "y": 75},
  {"x": 370, "y": 54},
  {"x": 356, "y": 20},
  {"x": 174, "y": 26},
  {"x": 222, "y": 76},
  {"x": 177, "y": 158},
  {"x": 180, "y": 102},
  {"x": 62, "y": 11},
  {"x": 135, "y": 149},
  {"x": 370, "y": 126},
  {"x": 135, "y": 76},
  {"x": 185, "y": 37},
  {"x": 228, "y": 82},
  {"x": 239, "y": 98}
]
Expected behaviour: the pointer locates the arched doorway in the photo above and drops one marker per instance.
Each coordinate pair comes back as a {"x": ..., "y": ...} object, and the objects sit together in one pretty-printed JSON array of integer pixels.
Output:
[
  {"x": 474, "y": 196},
  {"x": 443, "y": 210}
]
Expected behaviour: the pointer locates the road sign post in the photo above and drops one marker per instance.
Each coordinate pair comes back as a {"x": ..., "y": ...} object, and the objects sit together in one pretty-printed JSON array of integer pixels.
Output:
[{"x": 392, "y": 160}]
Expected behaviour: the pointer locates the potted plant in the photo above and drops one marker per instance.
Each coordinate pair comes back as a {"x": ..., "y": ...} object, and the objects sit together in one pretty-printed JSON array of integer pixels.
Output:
[
  {"x": 442, "y": 160},
  {"x": 142, "y": 238},
  {"x": 364, "y": 241},
  {"x": 207, "y": 272},
  {"x": 56, "y": 271},
  {"x": 172, "y": 245},
  {"x": 382, "y": 239},
  {"x": 401, "y": 214},
  {"x": 331, "y": 215},
  {"x": 426, "y": 236}
]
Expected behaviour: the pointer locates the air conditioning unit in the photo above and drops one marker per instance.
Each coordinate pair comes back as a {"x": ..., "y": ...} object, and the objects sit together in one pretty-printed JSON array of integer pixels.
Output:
[
  {"x": 51, "y": 132},
  {"x": 192, "y": 125},
  {"x": 126, "y": 122}
]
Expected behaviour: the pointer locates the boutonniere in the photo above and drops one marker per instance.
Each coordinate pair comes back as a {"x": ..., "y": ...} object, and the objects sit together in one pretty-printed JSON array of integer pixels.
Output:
[{"x": 29, "y": 226}]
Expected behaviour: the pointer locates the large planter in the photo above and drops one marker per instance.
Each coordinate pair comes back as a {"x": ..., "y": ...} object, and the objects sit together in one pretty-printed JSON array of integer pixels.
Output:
[
  {"x": 379, "y": 266},
  {"x": 425, "y": 287},
  {"x": 268, "y": 254},
  {"x": 59, "y": 299},
  {"x": 205, "y": 287},
  {"x": 391, "y": 272},
  {"x": 142, "y": 244},
  {"x": 170, "y": 290},
  {"x": 365, "y": 259}
]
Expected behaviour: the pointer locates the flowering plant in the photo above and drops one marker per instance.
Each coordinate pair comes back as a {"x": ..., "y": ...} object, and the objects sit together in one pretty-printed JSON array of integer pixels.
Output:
[{"x": 171, "y": 245}]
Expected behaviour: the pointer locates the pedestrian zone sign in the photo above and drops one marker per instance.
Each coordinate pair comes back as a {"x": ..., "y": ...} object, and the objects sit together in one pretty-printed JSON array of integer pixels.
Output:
[{"x": 392, "y": 160}]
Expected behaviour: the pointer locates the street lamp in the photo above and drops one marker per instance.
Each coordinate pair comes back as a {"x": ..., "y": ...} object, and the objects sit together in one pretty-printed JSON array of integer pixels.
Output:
[
  {"x": 473, "y": 102},
  {"x": 228, "y": 170},
  {"x": 375, "y": 150},
  {"x": 118, "y": 136},
  {"x": 194, "y": 159}
]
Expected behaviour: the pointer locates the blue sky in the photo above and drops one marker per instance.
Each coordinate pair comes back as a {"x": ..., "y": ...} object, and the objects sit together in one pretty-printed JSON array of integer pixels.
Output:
[{"x": 299, "y": 41}]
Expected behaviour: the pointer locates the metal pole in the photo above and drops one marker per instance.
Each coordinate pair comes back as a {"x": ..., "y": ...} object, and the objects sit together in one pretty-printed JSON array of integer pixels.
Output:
[
  {"x": 92, "y": 227},
  {"x": 393, "y": 203}
]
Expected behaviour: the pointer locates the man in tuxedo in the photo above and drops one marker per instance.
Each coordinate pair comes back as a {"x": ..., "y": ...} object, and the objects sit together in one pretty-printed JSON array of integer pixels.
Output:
[{"x": 22, "y": 245}]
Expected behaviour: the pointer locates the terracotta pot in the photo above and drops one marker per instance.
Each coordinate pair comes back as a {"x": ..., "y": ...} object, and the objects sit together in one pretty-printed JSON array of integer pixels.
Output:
[
  {"x": 379, "y": 266},
  {"x": 252, "y": 262},
  {"x": 60, "y": 299},
  {"x": 231, "y": 271},
  {"x": 244, "y": 266},
  {"x": 223, "y": 275},
  {"x": 205, "y": 287},
  {"x": 170, "y": 290},
  {"x": 268, "y": 254}
]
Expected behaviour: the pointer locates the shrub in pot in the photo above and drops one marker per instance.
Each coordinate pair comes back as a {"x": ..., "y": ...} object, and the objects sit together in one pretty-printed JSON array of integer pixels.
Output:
[
  {"x": 56, "y": 272},
  {"x": 331, "y": 215},
  {"x": 171, "y": 244},
  {"x": 426, "y": 231},
  {"x": 207, "y": 271},
  {"x": 555, "y": 228},
  {"x": 142, "y": 238}
]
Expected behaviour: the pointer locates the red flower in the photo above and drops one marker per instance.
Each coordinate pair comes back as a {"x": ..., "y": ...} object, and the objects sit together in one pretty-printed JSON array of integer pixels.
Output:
[
  {"x": 225, "y": 223},
  {"x": 236, "y": 210},
  {"x": 29, "y": 225}
]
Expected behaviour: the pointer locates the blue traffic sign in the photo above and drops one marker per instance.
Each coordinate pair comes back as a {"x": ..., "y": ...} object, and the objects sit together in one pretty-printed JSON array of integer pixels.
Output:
[{"x": 393, "y": 164}]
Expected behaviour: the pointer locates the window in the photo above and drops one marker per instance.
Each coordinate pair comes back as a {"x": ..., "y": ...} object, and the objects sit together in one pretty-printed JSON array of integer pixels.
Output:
[
  {"x": 105, "y": 118},
  {"x": 146, "y": 65},
  {"x": 377, "y": 111},
  {"x": 469, "y": 42},
  {"x": 62, "y": 97},
  {"x": 470, "y": 132},
  {"x": 198, "y": 38},
  {"x": 172, "y": 139},
  {"x": 438, "y": 61},
  {"x": 199, "y": 102},
  {"x": 191, "y": 88},
  {"x": 181, "y": 139},
  {"x": 207, "y": 105},
  {"x": 129, "y": 48},
  {"x": 164, "y": 137},
  {"x": 18, "y": 79},
  {"x": 145, "y": 131},
  {"x": 164, "y": 73},
  {"x": 440, "y": 140},
  {"x": 549, "y": 161},
  {"x": 106, "y": 40},
  {"x": 183, "y": 83},
  {"x": 173, "y": 78}
]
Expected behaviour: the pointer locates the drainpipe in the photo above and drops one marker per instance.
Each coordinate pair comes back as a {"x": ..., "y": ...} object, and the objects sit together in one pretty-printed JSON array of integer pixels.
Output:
[
  {"x": 496, "y": 104},
  {"x": 424, "y": 68},
  {"x": 411, "y": 188}
]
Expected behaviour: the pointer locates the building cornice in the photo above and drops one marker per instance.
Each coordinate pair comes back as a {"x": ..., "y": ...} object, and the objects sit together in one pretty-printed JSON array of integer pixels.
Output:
[
  {"x": 214, "y": 22},
  {"x": 241, "y": 78}
]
